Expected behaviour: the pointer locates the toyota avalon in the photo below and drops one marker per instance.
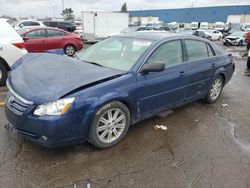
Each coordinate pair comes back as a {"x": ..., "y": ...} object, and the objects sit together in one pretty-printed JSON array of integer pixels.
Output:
[{"x": 56, "y": 101}]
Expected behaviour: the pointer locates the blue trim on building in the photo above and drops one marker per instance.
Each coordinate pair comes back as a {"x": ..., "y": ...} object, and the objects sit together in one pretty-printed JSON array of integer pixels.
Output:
[{"x": 199, "y": 14}]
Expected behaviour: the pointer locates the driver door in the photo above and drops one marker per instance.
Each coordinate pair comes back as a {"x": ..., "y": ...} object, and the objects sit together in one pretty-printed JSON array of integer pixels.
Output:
[{"x": 159, "y": 91}]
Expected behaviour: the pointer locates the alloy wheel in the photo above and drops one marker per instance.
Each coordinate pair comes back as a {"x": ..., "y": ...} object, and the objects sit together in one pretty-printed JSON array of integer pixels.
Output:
[
  {"x": 111, "y": 125},
  {"x": 70, "y": 50},
  {"x": 216, "y": 89}
]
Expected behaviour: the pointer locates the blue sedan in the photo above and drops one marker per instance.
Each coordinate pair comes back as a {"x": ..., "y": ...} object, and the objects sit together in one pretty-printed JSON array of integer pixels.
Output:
[{"x": 56, "y": 101}]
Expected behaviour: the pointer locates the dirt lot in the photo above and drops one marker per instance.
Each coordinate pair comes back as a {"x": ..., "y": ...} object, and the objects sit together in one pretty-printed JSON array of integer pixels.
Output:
[{"x": 204, "y": 146}]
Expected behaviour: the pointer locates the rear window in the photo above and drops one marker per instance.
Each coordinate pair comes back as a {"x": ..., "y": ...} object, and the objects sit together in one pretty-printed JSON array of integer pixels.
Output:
[{"x": 196, "y": 50}]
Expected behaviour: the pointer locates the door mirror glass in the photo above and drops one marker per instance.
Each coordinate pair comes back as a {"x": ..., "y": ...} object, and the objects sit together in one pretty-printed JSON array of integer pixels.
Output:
[{"x": 152, "y": 67}]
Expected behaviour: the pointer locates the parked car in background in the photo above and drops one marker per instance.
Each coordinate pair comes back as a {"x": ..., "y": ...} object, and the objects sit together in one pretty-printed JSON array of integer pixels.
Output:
[
  {"x": 79, "y": 32},
  {"x": 132, "y": 29},
  {"x": 67, "y": 26},
  {"x": 245, "y": 27},
  {"x": 42, "y": 39},
  {"x": 166, "y": 28},
  {"x": 220, "y": 26},
  {"x": 204, "y": 25},
  {"x": 194, "y": 25},
  {"x": 247, "y": 38},
  {"x": 236, "y": 39},
  {"x": 186, "y": 31},
  {"x": 213, "y": 35},
  {"x": 27, "y": 23},
  {"x": 111, "y": 85},
  {"x": 11, "y": 49},
  {"x": 201, "y": 33}
]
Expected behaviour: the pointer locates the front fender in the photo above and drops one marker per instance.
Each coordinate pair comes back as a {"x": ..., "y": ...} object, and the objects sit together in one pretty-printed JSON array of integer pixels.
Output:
[{"x": 116, "y": 95}]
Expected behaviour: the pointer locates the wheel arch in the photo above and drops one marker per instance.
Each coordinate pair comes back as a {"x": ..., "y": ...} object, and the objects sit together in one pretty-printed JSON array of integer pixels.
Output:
[
  {"x": 221, "y": 72},
  {"x": 67, "y": 44},
  {"x": 122, "y": 99}
]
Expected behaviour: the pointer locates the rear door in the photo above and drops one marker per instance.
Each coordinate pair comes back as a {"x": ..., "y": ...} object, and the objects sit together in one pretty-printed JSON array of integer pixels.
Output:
[
  {"x": 201, "y": 67},
  {"x": 55, "y": 39},
  {"x": 161, "y": 90},
  {"x": 35, "y": 41}
]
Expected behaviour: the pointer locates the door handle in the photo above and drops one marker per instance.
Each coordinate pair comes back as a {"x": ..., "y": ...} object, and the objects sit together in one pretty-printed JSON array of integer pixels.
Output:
[
  {"x": 213, "y": 65},
  {"x": 182, "y": 73}
]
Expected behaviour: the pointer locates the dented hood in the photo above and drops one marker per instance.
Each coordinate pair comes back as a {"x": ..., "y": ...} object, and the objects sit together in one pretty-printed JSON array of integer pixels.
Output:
[{"x": 47, "y": 77}]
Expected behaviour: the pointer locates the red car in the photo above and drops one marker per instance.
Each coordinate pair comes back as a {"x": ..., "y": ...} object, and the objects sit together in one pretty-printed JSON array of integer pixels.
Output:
[{"x": 41, "y": 39}]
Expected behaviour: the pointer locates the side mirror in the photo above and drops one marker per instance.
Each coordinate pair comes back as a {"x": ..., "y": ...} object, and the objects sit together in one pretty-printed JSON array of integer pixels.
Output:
[
  {"x": 26, "y": 38},
  {"x": 152, "y": 67},
  {"x": 21, "y": 25}
]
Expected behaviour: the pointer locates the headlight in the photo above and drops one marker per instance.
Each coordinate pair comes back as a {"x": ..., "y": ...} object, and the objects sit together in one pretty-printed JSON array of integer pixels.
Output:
[{"x": 56, "y": 108}]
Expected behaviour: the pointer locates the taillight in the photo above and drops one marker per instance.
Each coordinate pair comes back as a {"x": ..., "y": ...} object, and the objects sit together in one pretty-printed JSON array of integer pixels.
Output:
[{"x": 19, "y": 45}]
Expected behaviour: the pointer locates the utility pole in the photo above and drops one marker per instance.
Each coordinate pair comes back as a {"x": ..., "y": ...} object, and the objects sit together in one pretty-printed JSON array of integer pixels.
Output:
[
  {"x": 62, "y": 4},
  {"x": 54, "y": 11}
]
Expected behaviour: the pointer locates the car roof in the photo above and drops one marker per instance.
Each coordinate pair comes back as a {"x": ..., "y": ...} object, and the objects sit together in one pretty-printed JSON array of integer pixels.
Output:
[
  {"x": 31, "y": 28},
  {"x": 159, "y": 36},
  {"x": 149, "y": 35}
]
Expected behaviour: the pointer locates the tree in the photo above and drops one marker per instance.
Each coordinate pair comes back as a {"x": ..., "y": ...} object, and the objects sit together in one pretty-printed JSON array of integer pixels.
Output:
[
  {"x": 67, "y": 13},
  {"x": 124, "y": 7}
]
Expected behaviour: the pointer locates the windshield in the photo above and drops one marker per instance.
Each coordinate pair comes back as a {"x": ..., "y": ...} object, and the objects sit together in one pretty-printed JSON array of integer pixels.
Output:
[
  {"x": 238, "y": 34},
  {"x": 116, "y": 52}
]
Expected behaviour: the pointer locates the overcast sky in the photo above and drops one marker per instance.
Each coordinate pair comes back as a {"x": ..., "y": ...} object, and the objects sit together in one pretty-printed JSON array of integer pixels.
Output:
[{"x": 43, "y": 8}]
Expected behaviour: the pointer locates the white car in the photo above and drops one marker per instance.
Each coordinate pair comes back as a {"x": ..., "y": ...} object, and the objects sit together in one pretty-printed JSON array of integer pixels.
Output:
[
  {"x": 213, "y": 34},
  {"x": 11, "y": 49},
  {"x": 204, "y": 25},
  {"x": 236, "y": 39},
  {"x": 245, "y": 27},
  {"x": 27, "y": 23}
]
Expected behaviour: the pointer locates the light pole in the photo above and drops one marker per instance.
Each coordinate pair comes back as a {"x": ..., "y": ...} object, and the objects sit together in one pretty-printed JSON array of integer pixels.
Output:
[{"x": 62, "y": 4}]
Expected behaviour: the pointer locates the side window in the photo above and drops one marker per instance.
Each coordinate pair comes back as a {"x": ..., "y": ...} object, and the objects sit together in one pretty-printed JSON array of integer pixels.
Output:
[
  {"x": 169, "y": 53},
  {"x": 36, "y": 34},
  {"x": 54, "y": 33},
  {"x": 25, "y": 24},
  {"x": 196, "y": 50},
  {"x": 210, "y": 51},
  {"x": 34, "y": 23}
]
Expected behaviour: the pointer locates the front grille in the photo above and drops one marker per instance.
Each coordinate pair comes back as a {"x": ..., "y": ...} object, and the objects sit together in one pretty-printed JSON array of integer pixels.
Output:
[{"x": 15, "y": 103}]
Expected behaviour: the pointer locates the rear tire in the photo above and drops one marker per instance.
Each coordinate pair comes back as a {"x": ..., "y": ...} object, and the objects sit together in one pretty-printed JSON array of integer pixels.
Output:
[
  {"x": 3, "y": 74},
  {"x": 248, "y": 62},
  {"x": 109, "y": 125},
  {"x": 70, "y": 50},
  {"x": 215, "y": 90}
]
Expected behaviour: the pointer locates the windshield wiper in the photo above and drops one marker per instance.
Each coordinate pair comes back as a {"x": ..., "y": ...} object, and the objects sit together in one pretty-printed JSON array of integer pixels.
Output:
[{"x": 93, "y": 63}]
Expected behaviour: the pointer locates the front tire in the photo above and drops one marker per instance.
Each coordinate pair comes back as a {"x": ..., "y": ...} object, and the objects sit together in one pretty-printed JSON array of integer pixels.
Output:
[
  {"x": 3, "y": 74},
  {"x": 215, "y": 90},
  {"x": 109, "y": 125}
]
